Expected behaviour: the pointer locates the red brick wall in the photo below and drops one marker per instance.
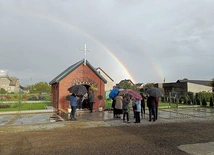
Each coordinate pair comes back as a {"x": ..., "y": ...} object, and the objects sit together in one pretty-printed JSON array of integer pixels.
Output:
[{"x": 81, "y": 72}]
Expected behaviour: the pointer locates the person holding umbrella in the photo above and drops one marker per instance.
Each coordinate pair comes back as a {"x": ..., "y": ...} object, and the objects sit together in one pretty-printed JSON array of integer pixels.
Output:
[
  {"x": 73, "y": 104},
  {"x": 142, "y": 105},
  {"x": 151, "y": 104},
  {"x": 118, "y": 105},
  {"x": 91, "y": 99},
  {"x": 126, "y": 101},
  {"x": 137, "y": 102}
]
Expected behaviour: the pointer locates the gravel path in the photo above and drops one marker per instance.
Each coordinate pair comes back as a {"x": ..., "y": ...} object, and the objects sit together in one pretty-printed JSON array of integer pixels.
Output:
[{"x": 106, "y": 138}]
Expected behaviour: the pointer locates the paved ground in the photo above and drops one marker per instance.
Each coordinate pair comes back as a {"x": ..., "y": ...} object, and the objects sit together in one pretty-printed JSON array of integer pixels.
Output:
[
  {"x": 174, "y": 120},
  {"x": 164, "y": 116}
]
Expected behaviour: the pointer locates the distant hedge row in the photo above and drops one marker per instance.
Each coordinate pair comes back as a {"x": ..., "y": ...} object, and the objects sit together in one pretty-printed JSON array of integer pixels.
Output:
[{"x": 204, "y": 96}]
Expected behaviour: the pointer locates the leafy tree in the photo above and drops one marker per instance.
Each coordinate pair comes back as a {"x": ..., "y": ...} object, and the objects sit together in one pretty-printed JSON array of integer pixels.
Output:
[
  {"x": 126, "y": 85},
  {"x": 42, "y": 87},
  {"x": 185, "y": 79},
  {"x": 3, "y": 91},
  {"x": 149, "y": 85}
]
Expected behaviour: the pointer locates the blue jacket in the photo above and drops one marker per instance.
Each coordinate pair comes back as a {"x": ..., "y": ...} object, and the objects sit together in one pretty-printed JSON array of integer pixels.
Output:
[
  {"x": 73, "y": 101},
  {"x": 138, "y": 105}
]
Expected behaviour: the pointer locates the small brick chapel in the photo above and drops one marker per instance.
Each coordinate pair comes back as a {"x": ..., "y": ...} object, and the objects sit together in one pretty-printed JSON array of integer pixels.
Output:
[{"x": 80, "y": 73}]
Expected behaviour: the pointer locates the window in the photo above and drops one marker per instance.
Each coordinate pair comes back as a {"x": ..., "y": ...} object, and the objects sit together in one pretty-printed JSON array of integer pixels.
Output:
[{"x": 3, "y": 82}]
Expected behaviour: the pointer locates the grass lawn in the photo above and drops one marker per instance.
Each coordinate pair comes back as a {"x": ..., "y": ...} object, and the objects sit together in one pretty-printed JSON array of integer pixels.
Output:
[{"x": 24, "y": 106}]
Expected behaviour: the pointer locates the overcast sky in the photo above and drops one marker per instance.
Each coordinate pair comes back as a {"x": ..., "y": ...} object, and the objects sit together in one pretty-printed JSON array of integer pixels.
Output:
[{"x": 151, "y": 39}]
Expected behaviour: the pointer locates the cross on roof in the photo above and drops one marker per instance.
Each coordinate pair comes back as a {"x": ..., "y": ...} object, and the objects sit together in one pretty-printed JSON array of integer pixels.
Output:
[{"x": 85, "y": 52}]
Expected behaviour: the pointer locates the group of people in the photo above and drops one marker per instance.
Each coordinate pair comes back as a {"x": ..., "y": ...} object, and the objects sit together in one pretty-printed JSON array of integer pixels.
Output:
[
  {"x": 76, "y": 101},
  {"x": 120, "y": 105}
]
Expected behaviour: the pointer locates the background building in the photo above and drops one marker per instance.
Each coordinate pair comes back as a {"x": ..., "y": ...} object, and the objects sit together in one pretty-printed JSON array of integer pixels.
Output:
[{"x": 9, "y": 84}]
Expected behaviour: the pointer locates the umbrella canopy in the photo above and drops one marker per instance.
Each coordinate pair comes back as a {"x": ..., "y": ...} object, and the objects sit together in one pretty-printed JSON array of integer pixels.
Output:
[
  {"x": 122, "y": 92},
  {"x": 144, "y": 89},
  {"x": 78, "y": 90},
  {"x": 132, "y": 93},
  {"x": 135, "y": 94},
  {"x": 113, "y": 93},
  {"x": 155, "y": 92}
]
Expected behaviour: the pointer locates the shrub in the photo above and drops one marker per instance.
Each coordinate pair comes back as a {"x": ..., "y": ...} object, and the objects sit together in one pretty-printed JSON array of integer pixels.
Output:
[
  {"x": 204, "y": 103},
  {"x": 198, "y": 102},
  {"x": 4, "y": 106},
  {"x": 211, "y": 102},
  {"x": 180, "y": 100},
  {"x": 68, "y": 97}
]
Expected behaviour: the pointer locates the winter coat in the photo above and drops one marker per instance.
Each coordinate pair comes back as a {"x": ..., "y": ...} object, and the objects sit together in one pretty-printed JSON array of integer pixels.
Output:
[
  {"x": 126, "y": 104},
  {"x": 91, "y": 97},
  {"x": 151, "y": 102},
  {"x": 138, "y": 105},
  {"x": 119, "y": 102},
  {"x": 73, "y": 101}
]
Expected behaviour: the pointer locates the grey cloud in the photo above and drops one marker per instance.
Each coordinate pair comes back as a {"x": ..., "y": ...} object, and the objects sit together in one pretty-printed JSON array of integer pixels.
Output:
[{"x": 159, "y": 36}]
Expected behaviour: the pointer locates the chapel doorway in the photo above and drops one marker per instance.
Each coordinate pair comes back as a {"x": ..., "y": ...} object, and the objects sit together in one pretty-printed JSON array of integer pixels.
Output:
[{"x": 85, "y": 103}]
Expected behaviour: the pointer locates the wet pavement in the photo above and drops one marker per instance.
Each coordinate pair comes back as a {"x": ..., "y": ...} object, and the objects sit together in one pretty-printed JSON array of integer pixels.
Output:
[
  {"x": 44, "y": 120},
  {"x": 165, "y": 115}
]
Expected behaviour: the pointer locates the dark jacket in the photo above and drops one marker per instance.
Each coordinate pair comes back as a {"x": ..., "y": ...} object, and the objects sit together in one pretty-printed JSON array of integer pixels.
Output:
[
  {"x": 151, "y": 102},
  {"x": 126, "y": 104},
  {"x": 91, "y": 97}
]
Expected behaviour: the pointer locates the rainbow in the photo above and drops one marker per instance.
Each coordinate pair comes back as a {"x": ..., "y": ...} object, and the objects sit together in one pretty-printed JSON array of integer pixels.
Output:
[
  {"x": 157, "y": 69},
  {"x": 65, "y": 23}
]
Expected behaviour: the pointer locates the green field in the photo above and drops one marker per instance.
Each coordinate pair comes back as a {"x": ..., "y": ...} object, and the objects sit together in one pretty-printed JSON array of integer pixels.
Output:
[
  {"x": 24, "y": 106},
  {"x": 16, "y": 97}
]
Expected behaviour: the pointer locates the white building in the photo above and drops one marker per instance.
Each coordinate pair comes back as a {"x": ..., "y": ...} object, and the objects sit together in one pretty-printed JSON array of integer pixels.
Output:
[{"x": 110, "y": 82}]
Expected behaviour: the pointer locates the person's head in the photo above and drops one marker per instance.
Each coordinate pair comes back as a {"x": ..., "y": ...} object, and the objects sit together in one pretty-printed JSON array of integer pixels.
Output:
[{"x": 90, "y": 91}]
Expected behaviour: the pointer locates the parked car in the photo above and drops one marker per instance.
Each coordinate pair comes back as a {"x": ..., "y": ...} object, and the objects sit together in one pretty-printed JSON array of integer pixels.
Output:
[
  {"x": 41, "y": 98},
  {"x": 32, "y": 98}
]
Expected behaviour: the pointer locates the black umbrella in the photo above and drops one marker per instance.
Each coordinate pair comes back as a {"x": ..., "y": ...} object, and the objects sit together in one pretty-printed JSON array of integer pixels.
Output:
[
  {"x": 155, "y": 92},
  {"x": 78, "y": 90},
  {"x": 144, "y": 89}
]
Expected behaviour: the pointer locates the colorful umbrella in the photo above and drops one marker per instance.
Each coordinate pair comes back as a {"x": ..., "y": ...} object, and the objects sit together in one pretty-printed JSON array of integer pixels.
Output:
[
  {"x": 132, "y": 93},
  {"x": 113, "y": 93},
  {"x": 135, "y": 94}
]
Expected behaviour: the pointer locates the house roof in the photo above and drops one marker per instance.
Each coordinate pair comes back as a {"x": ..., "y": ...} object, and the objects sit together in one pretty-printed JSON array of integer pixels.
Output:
[
  {"x": 13, "y": 80},
  {"x": 72, "y": 68},
  {"x": 105, "y": 74},
  {"x": 138, "y": 84},
  {"x": 201, "y": 82}
]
